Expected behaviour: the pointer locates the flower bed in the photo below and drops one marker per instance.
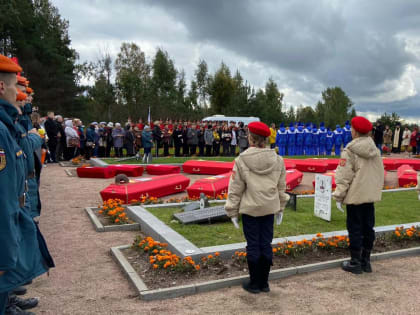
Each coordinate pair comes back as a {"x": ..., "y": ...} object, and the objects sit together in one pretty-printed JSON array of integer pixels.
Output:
[{"x": 160, "y": 268}]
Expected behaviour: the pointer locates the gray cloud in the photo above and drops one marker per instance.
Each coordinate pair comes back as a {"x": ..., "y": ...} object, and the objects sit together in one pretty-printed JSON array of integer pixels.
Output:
[{"x": 305, "y": 45}]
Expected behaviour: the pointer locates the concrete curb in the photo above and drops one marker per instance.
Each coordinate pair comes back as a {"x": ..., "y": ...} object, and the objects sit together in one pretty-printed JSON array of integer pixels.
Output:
[
  {"x": 167, "y": 293},
  {"x": 152, "y": 226},
  {"x": 99, "y": 227},
  {"x": 157, "y": 229}
]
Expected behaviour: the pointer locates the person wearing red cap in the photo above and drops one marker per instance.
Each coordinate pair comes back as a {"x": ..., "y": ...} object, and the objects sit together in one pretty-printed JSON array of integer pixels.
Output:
[
  {"x": 21, "y": 258},
  {"x": 359, "y": 179},
  {"x": 257, "y": 191}
]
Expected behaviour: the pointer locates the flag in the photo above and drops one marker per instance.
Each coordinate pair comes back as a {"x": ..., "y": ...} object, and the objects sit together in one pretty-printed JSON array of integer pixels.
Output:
[{"x": 148, "y": 117}]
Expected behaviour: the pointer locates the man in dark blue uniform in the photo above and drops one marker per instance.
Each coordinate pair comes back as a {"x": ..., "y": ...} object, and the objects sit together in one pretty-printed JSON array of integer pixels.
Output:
[{"x": 24, "y": 255}]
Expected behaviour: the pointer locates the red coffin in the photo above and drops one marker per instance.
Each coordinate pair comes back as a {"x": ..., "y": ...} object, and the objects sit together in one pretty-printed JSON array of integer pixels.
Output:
[
  {"x": 412, "y": 162},
  {"x": 311, "y": 165},
  {"x": 289, "y": 165},
  {"x": 293, "y": 179},
  {"x": 95, "y": 172},
  {"x": 391, "y": 164},
  {"x": 207, "y": 167},
  {"x": 406, "y": 176},
  {"x": 157, "y": 169},
  {"x": 129, "y": 170},
  {"x": 210, "y": 186},
  {"x": 159, "y": 186}
]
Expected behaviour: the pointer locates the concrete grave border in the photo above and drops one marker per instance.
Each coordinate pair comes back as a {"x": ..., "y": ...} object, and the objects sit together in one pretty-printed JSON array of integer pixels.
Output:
[
  {"x": 167, "y": 293},
  {"x": 152, "y": 226},
  {"x": 99, "y": 227}
]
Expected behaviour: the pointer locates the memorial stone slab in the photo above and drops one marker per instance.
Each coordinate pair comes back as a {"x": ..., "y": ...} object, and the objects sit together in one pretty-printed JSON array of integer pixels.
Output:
[{"x": 202, "y": 215}]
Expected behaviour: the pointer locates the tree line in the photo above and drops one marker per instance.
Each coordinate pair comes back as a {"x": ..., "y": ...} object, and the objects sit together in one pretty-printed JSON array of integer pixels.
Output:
[{"x": 128, "y": 85}]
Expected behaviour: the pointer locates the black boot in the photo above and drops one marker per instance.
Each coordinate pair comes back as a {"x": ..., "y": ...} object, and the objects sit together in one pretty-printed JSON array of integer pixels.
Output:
[
  {"x": 14, "y": 310},
  {"x": 24, "y": 304},
  {"x": 354, "y": 265},
  {"x": 264, "y": 271},
  {"x": 252, "y": 285},
  {"x": 365, "y": 262},
  {"x": 19, "y": 291}
]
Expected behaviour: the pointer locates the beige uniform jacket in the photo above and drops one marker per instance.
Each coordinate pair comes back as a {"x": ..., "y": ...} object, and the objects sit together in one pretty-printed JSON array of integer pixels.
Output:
[
  {"x": 258, "y": 184},
  {"x": 360, "y": 174}
]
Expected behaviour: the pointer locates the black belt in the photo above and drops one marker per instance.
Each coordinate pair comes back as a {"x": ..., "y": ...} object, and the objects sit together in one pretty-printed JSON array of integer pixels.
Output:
[{"x": 22, "y": 200}]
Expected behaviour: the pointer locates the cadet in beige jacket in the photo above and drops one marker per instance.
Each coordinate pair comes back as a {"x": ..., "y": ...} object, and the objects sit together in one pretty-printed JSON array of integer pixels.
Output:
[
  {"x": 418, "y": 184},
  {"x": 257, "y": 191},
  {"x": 359, "y": 179}
]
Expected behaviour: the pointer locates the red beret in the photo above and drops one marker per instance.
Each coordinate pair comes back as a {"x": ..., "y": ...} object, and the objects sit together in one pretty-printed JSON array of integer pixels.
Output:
[
  {"x": 259, "y": 128},
  {"x": 361, "y": 124},
  {"x": 21, "y": 96},
  {"x": 21, "y": 80},
  {"x": 7, "y": 65}
]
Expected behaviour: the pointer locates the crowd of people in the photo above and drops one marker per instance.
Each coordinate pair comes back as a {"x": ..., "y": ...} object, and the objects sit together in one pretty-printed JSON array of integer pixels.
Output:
[
  {"x": 68, "y": 138},
  {"x": 397, "y": 140}
]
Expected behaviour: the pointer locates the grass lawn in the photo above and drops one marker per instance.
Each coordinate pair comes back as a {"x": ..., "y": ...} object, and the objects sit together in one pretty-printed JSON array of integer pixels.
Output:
[
  {"x": 395, "y": 208},
  {"x": 172, "y": 159}
]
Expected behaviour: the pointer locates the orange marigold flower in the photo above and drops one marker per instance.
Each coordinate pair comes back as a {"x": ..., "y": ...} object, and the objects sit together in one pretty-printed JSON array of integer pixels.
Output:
[
  {"x": 117, "y": 220},
  {"x": 318, "y": 235},
  {"x": 397, "y": 233},
  {"x": 197, "y": 267},
  {"x": 155, "y": 266},
  {"x": 210, "y": 256},
  {"x": 217, "y": 254},
  {"x": 287, "y": 252},
  {"x": 274, "y": 250}
]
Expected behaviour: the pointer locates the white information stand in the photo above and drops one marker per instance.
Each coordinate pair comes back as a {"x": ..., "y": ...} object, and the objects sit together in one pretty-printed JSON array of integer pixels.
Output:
[{"x": 323, "y": 190}]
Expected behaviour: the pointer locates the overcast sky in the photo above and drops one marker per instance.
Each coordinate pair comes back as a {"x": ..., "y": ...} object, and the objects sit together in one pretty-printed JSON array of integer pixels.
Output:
[{"x": 371, "y": 49}]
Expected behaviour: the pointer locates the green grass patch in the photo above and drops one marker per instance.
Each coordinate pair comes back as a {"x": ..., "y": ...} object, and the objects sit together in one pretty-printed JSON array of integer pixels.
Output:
[
  {"x": 174, "y": 160},
  {"x": 395, "y": 208}
]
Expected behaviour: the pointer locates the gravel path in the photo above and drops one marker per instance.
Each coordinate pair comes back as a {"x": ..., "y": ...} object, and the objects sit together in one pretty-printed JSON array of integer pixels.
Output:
[{"x": 87, "y": 280}]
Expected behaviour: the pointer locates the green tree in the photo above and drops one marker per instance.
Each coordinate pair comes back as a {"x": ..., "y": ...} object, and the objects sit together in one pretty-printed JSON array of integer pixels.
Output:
[
  {"x": 202, "y": 81},
  {"x": 334, "y": 108},
  {"x": 272, "y": 110},
  {"x": 390, "y": 120},
  {"x": 35, "y": 32},
  {"x": 133, "y": 80},
  {"x": 221, "y": 90},
  {"x": 305, "y": 114}
]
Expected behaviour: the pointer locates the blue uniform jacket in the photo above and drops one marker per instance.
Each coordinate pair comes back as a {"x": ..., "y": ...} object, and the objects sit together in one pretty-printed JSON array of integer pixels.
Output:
[
  {"x": 291, "y": 136},
  {"x": 347, "y": 134},
  {"x": 281, "y": 137},
  {"x": 338, "y": 137},
  {"x": 21, "y": 256},
  {"x": 307, "y": 137},
  {"x": 299, "y": 136},
  {"x": 329, "y": 139},
  {"x": 315, "y": 136},
  {"x": 29, "y": 144},
  {"x": 90, "y": 134},
  {"x": 322, "y": 136}
]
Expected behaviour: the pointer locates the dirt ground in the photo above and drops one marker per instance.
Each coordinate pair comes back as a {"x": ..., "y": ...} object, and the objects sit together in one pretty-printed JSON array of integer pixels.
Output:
[{"x": 88, "y": 281}]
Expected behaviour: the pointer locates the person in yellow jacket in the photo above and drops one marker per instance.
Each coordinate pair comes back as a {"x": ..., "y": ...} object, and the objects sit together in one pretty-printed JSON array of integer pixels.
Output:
[
  {"x": 272, "y": 138},
  {"x": 359, "y": 179},
  {"x": 257, "y": 191}
]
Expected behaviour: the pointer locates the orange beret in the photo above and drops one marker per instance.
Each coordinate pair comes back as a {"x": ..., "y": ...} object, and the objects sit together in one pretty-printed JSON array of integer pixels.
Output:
[
  {"x": 21, "y": 96},
  {"x": 21, "y": 80},
  {"x": 361, "y": 124},
  {"x": 7, "y": 65},
  {"x": 29, "y": 90},
  {"x": 259, "y": 128}
]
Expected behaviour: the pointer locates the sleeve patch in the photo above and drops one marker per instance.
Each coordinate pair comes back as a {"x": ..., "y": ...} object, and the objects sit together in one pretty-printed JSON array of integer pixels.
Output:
[
  {"x": 3, "y": 161},
  {"x": 343, "y": 162}
]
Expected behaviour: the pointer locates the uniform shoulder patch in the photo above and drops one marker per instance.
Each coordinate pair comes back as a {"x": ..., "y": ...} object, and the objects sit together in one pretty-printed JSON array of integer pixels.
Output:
[
  {"x": 3, "y": 161},
  {"x": 343, "y": 162}
]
